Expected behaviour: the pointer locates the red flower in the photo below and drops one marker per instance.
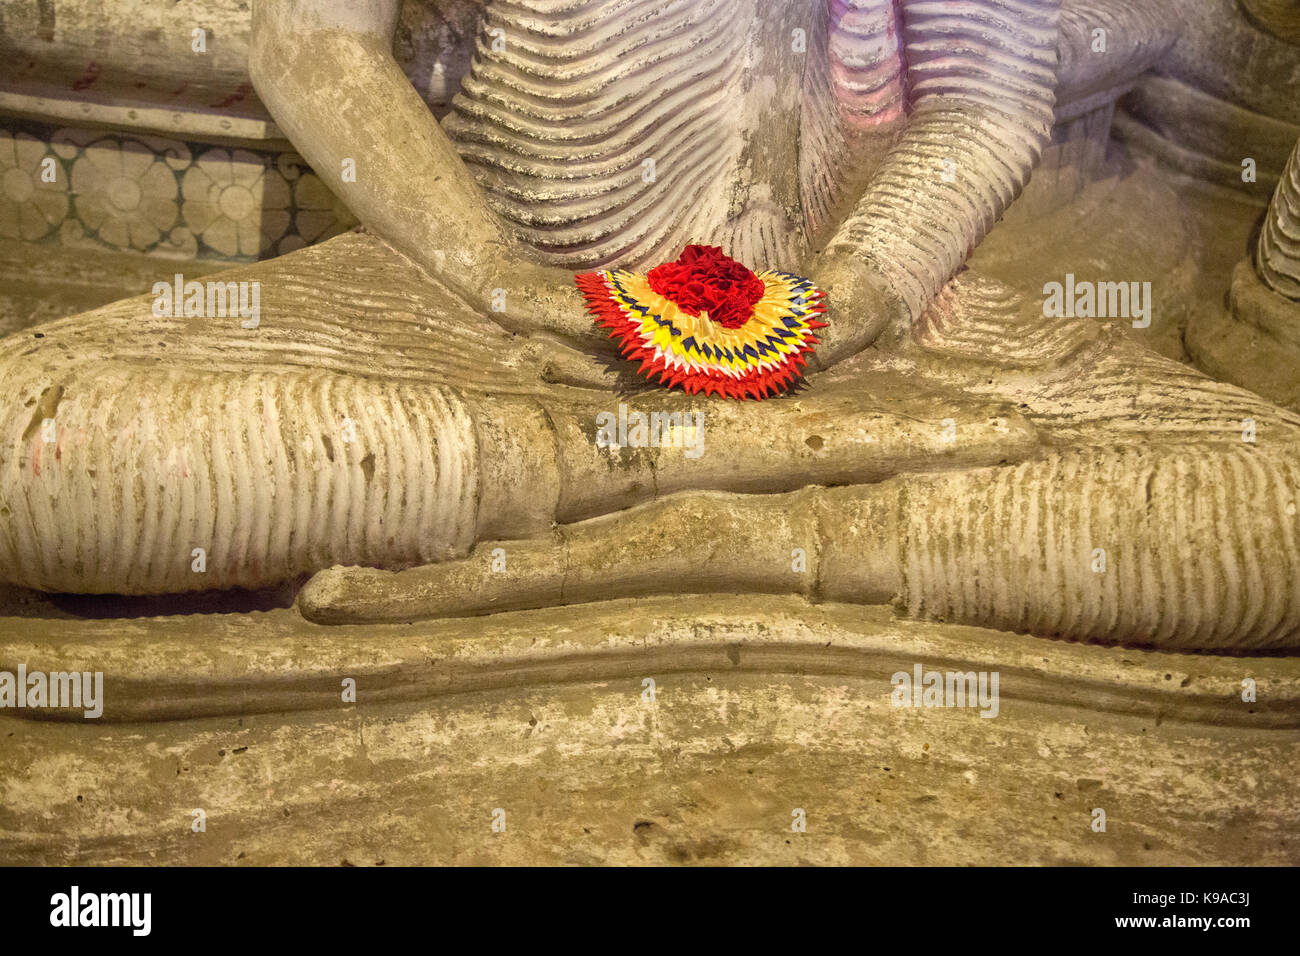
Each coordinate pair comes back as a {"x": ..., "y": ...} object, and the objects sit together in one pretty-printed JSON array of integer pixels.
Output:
[{"x": 703, "y": 279}]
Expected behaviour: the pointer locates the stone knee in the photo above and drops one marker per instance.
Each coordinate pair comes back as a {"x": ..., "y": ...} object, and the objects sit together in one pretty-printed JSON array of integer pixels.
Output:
[{"x": 129, "y": 478}]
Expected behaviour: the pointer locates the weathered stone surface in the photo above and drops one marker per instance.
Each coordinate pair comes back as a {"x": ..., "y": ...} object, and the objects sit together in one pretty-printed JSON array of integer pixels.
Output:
[{"x": 763, "y": 705}]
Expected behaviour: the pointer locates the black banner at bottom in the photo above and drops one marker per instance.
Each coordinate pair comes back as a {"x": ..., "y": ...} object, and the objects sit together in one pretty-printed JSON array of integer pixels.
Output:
[{"x": 302, "y": 906}]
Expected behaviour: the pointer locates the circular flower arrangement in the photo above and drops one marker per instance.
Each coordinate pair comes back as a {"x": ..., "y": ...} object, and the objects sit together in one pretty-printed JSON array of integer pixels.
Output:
[{"x": 707, "y": 323}]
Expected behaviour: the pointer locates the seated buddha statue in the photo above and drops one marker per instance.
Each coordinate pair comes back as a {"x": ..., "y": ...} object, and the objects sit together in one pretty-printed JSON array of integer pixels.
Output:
[{"x": 423, "y": 394}]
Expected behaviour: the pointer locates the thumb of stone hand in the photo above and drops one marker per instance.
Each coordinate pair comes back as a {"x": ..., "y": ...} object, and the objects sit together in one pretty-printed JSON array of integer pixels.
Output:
[{"x": 558, "y": 363}]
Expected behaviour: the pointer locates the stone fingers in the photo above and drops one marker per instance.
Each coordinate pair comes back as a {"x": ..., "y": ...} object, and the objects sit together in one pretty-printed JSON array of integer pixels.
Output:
[{"x": 693, "y": 543}]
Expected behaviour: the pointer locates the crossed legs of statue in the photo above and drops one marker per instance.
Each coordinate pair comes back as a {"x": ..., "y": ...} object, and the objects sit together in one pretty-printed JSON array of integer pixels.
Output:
[
  {"x": 363, "y": 428},
  {"x": 373, "y": 419},
  {"x": 1140, "y": 515}
]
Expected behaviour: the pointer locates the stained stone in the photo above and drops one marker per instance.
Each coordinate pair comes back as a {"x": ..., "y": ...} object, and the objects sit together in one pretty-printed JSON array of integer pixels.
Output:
[{"x": 370, "y": 574}]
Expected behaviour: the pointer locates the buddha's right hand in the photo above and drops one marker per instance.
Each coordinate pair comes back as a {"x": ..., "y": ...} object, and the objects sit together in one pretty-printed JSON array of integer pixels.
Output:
[{"x": 540, "y": 302}]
